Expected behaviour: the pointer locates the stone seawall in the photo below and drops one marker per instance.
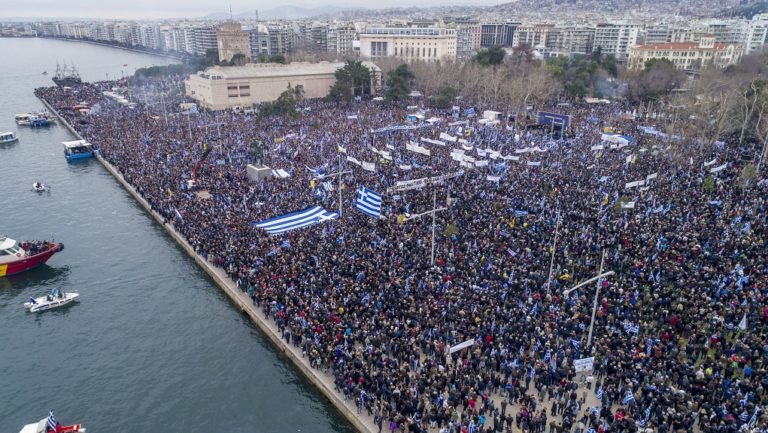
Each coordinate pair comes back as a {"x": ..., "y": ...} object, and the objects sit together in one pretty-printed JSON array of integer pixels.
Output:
[{"x": 322, "y": 380}]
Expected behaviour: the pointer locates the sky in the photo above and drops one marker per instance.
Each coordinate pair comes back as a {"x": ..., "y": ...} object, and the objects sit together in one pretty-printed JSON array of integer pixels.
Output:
[{"x": 148, "y": 9}]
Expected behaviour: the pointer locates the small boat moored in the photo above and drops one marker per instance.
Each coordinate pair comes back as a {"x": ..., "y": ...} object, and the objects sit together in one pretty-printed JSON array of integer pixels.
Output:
[
  {"x": 32, "y": 120},
  {"x": 77, "y": 149},
  {"x": 8, "y": 137},
  {"x": 55, "y": 299},
  {"x": 50, "y": 424}
]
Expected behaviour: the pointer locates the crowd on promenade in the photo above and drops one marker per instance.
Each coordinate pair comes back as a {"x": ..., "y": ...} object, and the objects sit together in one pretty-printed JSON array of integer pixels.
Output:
[{"x": 680, "y": 339}]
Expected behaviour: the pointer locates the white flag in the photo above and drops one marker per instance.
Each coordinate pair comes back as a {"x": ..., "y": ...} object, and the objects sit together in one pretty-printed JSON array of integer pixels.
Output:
[
  {"x": 743, "y": 323},
  {"x": 460, "y": 346}
]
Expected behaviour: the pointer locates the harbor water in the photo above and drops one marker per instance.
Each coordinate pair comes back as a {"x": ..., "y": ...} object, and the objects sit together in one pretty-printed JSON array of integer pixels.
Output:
[{"x": 153, "y": 345}]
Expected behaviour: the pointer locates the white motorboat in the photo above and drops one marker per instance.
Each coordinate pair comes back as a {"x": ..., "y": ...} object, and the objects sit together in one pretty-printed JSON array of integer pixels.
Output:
[
  {"x": 40, "y": 187},
  {"x": 8, "y": 137},
  {"x": 53, "y": 300},
  {"x": 50, "y": 424}
]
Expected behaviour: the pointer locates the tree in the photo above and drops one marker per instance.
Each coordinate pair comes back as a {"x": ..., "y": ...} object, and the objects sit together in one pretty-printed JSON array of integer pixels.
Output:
[
  {"x": 285, "y": 104},
  {"x": 490, "y": 56},
  {"x": 656, "y": 81},
  {"x": 399, "y": 81},
  {"x": 212, "y": 56},
  {"x": 238, "y": 59},
  {"x": 444, "y": 97},
  {"x": 354, "y": 79}
]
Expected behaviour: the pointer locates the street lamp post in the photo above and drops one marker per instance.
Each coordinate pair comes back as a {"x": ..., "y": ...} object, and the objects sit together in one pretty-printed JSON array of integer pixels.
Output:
[{"x": 599, "y": 279}]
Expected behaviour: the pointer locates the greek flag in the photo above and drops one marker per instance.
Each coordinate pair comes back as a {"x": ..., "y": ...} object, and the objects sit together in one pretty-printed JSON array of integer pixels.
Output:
[
  {"x": 368, "y": 202},
  {"x": 646, "y": 417},
  {"x": 753, "y": 420},
  {"x": 295, "y": 220},
  {"x": 575, "y": 343},
  {"x": 628, "y": 398},
  {"x": 280, "y": 173},
  {"x": 599, "y": 394},
  {"x": 547, "y": 356},
  {"x": 591, "y": 430},
  {"x": 52, "y": 423}
]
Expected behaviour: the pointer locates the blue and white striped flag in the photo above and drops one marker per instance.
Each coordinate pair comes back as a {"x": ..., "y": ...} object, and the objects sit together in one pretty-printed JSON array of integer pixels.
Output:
[
  {"x": 52, "y": 423},
  {"x": 753, "y": 420},
  {"x": 368, "y": 202},
  {"x": 295, "y": 220},
  {"x": 547, "y": 356},
  {"x": 599, "y": 394},
  {"x": 575, "y": 343},
  {"x": 628, "y": 398}
]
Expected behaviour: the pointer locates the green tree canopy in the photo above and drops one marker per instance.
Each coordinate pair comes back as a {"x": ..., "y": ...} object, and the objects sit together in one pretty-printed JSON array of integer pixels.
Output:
[
  {"x": 490, "y": 56},
  {"x": 399, "y": 81}
]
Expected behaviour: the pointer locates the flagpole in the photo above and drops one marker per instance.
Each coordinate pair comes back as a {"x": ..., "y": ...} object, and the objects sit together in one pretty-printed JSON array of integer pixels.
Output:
[
  {"x": 594, "y": 304},
  {"x": 554, "y": 247},
  {"x": 340, "y": 202},
  {"x": 434, "y": 206}
]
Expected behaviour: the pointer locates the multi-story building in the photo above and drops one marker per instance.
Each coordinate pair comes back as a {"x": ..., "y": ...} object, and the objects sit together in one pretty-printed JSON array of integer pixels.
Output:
[
  {"x": 497, "y": 34},
  {"x": 341, "y": 39},
  {"x": 231, "y": 40},
  {"x": 533, "y": 35},
  {"x": 204, "y": 39},
  {"x": 616, "y": 38},
  {"x": 467, "y": 39},
  {"x": 409, "y": 43},
  {"x": 567, "y": 41},
  {"x": 756, "y": 34},
  {"x": 657, "y": 34},
  {"x": 687, "y": 55},
  {"x": 281, "y": 39}
]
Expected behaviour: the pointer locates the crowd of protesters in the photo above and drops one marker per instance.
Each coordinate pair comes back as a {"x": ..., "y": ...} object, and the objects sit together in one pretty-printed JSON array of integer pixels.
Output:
[{"x": 680, "y": 335}]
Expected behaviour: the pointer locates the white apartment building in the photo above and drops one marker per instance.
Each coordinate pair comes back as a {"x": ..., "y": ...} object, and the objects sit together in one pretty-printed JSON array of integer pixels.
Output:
[
  {"x": 410, "y": 43},
  {"x": 616, "y": 39},
  {"x": 756, "y": 34}
]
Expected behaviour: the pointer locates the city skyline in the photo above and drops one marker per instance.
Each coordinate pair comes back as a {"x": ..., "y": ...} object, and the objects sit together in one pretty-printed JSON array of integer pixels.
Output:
[{"x": 147, "y": 9}]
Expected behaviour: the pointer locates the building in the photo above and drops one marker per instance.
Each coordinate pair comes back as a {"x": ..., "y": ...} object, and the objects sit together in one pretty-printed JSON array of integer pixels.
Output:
[
  {"x": 231, "y": 40},
  {"x": 467, "y": 40},
  {"x": 657, "y": 34},
  {"x": 409, "y": 43},
  {"x": 687, "y": 55},
  {"x": 756, "y": 34},
  {"x": 567, "y": 41},
  {"x": 616, "y": 39},
  {"x": 340, "y": 39},
  {"x": 221, "y": 87},
  {"x": 532, "y": 35},
  {"x": 204, "y": 39}
]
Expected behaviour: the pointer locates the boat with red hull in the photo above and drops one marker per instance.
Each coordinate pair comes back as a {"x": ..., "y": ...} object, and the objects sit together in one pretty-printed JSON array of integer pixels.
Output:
[{"x": 15, "y": 257}]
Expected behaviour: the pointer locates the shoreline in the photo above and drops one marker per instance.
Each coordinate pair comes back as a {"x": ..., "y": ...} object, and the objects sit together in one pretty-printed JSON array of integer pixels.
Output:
[
  {"x": 320, "y": 379},
  {"x": 105, "y": 44}
]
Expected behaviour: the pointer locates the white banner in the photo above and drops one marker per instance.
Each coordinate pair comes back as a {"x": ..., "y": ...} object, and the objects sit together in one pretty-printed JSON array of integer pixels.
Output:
[
  {"x": 651, "y": 176},
  {"x": 523, "y": 150},
  {"x": 481, "y": 152},
  {"x": 718, "y": 168},
  {"x": 460, "y": 346},
  {"x": 628, "y": 205},
  {"x": 597, "y": 147},
  {"x": 481, "y": 163},
  {"x": 405, "y": 185},
  {"x": 456, "y": 156},
  {"x": 405, "y": 167},
  {"x": 583, "y": 364},
  {"x": 533, "y": 163},
  {"x": 430, "y": 141},
  {"x": 708, "y": 163},
  {"x": 493, "y": 178},
  {"x": 413, "y": 147},
  {"x": 369, "y": 166},
  {"x": 510, "y": 158},
  {"x": 634, "y": 184},
  {"x": 353, "y": 160},
  {"x": 447, "y": 137},
  {"x": 467, "y": 164}
]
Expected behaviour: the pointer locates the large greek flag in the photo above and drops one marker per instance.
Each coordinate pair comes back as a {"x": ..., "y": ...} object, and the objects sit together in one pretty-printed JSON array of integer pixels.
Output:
[
  {"x": 368, "y": 202},
  {"x": 52, "y": 421},
  {"x": 295, "y": 220}
]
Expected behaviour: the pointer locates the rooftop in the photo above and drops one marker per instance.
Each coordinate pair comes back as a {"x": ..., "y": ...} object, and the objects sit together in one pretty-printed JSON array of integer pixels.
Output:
[{"x": 252, "y": 70}]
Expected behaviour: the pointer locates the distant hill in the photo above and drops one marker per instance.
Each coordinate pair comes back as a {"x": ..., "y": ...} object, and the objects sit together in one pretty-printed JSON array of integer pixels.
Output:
[
  {"x": 747, "y": 10},
  {"x": 284, "y": 12}
]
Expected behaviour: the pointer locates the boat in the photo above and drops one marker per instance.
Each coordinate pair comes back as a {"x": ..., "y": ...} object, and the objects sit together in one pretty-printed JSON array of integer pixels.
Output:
[
  {"x": 8, "y": 137},
  {"x": 40, "y": 187},
  {"x": 50, "y": 424},
  {"x": 77, "y": 149},
  {"x": 55, "y": 299},
  {"x": 32, "y": 120},
  {"x": 15, "y": 258},
  {"x": 66, "y": 77}
]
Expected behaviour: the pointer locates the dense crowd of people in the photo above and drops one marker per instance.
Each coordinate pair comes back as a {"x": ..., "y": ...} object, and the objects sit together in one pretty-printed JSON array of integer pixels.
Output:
[{"x": 679, "y": 339}]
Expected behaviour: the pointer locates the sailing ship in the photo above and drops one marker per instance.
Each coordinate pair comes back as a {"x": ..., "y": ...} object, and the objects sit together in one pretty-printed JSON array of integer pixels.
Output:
[{"x": 66, "y": 76}]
